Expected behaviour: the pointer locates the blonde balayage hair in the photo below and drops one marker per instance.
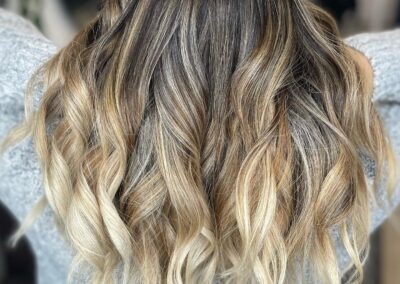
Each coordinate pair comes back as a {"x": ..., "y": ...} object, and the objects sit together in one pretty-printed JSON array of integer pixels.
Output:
[{"x": 196, "y": 141}]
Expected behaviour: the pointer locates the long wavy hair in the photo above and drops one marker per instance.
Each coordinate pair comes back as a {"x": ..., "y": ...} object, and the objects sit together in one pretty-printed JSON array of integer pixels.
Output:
[{"x": 188, "y": 141}]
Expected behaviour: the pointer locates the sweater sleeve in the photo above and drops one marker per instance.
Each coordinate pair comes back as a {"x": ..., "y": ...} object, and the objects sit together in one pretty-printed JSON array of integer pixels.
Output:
[
  {"x": 22, "y": 50},
  {"x": 383, "y": 51}
]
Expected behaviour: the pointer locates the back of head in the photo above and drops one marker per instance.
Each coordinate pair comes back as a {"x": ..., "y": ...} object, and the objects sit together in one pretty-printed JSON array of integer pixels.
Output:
[{"x": 203, "y": 140}]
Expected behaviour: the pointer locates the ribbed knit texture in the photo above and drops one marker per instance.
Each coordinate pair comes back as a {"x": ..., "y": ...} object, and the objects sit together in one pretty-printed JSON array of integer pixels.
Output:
[{"x": 23, "y": 49}]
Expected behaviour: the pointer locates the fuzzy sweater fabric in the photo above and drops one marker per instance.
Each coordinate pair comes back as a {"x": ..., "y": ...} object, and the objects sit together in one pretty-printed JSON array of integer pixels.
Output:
[{"x": 23, "y": 49}]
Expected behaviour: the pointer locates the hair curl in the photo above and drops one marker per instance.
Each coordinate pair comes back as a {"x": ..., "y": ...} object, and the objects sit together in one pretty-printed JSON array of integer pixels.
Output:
[{"x": 193, "y": 141}]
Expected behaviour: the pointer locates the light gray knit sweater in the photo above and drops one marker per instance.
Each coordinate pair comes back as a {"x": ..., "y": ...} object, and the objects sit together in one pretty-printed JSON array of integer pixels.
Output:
[{"x": 23, "y": 49}]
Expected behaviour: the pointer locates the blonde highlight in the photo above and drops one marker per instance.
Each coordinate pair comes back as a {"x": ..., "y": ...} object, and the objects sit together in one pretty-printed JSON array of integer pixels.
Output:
[{"x": 200, "y": 141}]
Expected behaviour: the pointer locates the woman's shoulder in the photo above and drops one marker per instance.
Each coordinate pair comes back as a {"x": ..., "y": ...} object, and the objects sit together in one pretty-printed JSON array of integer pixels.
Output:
[
  {"x": 14, "y": 25},
  {"x": 382, "y": 49},
  {"x": 23, "y": 48},
  {"x": 18, "y": 32},
  {"x": 12, "y": 21},
  {"x": 379, "y": 57}
]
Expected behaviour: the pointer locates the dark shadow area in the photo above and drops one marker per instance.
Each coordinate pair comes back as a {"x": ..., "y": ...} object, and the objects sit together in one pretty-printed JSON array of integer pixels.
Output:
[
  {"x": 337, "y": 7},
  {"x": 18, "y": 265}
]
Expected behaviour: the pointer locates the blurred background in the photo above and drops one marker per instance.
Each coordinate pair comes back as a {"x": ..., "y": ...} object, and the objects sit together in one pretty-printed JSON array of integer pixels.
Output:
[{"x": 59, "y": 20}]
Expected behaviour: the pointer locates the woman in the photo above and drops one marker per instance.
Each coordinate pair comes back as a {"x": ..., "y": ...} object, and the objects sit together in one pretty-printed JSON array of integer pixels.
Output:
[{"x": 201, "y": 142}]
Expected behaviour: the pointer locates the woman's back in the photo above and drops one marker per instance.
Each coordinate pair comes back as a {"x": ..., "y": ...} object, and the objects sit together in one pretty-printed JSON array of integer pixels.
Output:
[{"x": 23, "y": 49}]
